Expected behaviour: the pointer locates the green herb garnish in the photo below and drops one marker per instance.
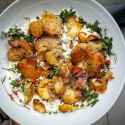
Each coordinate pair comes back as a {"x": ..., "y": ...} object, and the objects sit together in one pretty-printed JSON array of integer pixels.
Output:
[
  {"x": 14, "y": 83},
  {"x": 66, "y": 14},
  {"x": 81, "y": 21},
  {"x": 95, "y": 27},
  {"x": 55, "y": 71},
  {"x": 29, "y": 38},
  {"x": 17, "y": 33},
  {"x": 107, "y": 45},
  {"x": 91, "y": 97},
  {"x": 106, "y": 41}
]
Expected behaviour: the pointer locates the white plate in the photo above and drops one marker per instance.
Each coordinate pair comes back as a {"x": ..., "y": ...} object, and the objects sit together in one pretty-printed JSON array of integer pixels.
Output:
[{"x": 91, "y": 11}]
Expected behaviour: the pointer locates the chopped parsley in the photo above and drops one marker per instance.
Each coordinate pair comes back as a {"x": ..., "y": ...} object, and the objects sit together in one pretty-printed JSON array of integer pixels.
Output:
[
  {"x": 14, "y": 83},
  {"x": 55, "y": 71},
  {"x": 106, "y": 41},
  {"x": 65, "y": 14},
  {"x": 95, "y": 27},
  {"x": 91, "y": 97},
  {"x": 81, "y": 21},
  {"x": 17, "y": 33}
]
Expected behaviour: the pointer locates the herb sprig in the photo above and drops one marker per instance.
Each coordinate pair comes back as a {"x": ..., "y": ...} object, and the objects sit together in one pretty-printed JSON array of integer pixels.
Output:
[
  {"x": 66, "y": 14},
  {"x": 106, "y": 41},
  {"x": 91, "y": 97},
  {"x": 17, "y": 33},
  {"x": 14, "y": 83},
  {"x": 55, "y": 71}
]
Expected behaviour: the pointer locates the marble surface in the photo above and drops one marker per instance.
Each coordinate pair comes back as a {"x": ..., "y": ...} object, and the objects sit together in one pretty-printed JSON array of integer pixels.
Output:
[{"x": 116, "y": 116}]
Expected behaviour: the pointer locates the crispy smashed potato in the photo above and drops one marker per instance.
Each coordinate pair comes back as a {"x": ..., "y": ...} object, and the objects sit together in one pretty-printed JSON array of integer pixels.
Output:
[
  {"x": 83, "y": 37},
  {"x": 46, "y": 43},
  {"x": 28, "y": 69},
  {"x": 38, "y": 106},
  {"x": 52, "y": 24},
  {"x": 28, "y": 92},
  {"x": 36, "y": 28},
  {"x": 52, "y": 57},
  {"x": 59, "y": 86},
  {"x": 73, "y": 27},
  {"x": 44, "y": 93},
  {"x": 98, "y": 86},
  {"x": 22, "y": 44},
  {"x": 66, "y": 108},
  {"x": 71, "y": 96},
  {"x": 16, "y": 54}
]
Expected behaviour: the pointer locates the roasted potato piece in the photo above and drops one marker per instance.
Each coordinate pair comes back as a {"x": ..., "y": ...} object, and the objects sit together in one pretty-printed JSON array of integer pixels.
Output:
[
  {"x": 46, "y": 43},
  {"x": 36, "y": 28},
  {"x": 38, "y": 106},
  {"x": 22, "y": 44},
  {"x": 65, "y": 68},
  {"x": 44, "y": 93},
  {"x": 28, "y": 91},
  {"x": 15, "y": 54},
  {"x": 51, "y": 58},
  {"x": 28, "y": 68},
  {"x": 98, "y": 86},
  {"x": 66, "y": 108},
  {"x": 52, "y": 24},
  {"x": 83, "y": 37},
  {"x": 70, "y": 96},
  {"x": 44, "y": 82},
  {"x": 78, "y": 54},
  {"x": 73, "y": 27},
  {"x": 59, "y": 86}
]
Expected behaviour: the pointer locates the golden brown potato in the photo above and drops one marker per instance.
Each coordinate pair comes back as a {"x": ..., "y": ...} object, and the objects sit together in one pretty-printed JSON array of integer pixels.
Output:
[
  {"x": 46, "y": 43},
  {"x": 15, "y": 54},
  {"x": 73, "y": 27},
  {"x": 66, "y": 108},
  {"x": 83, "y": 37},
  {"x": 44, "y": 82},
  {"x": 98, "y": 86},
  {"x": 28, "y": 91},
  {"x": 44, "y": 93},
  {"x": 59, "y": 86},
  {"x": 36, "y": 28},
  {"x": 22, "y": 44},
  {"x": 28, "y": 68},
  {"x": 51, "y": 58},
  {"x": 39, "y": 106},
  {"x": 52, "y": 24},
  {"x": 70, "y": 96}
]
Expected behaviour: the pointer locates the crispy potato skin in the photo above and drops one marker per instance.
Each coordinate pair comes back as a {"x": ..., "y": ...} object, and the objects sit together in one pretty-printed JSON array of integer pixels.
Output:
[
  {"x": 51, "y": 58},
  {"x": 73, "y": 27},
  {"x": 44, "y": 93},
  {"x": 46, "y": 43},
  {"x": 52, "y": 24},
  {"x": 70, "y": 96},
  {"x": 15, "y": 54},
  {"x": 36, "y": 28},
  {"x": 83, "y": 37},
  {"x": 39, "y": 106},
  {"x": 29, "y": 70},
  {"x": 22, "y": 44},
  {"x": 66, "y": 108}
]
